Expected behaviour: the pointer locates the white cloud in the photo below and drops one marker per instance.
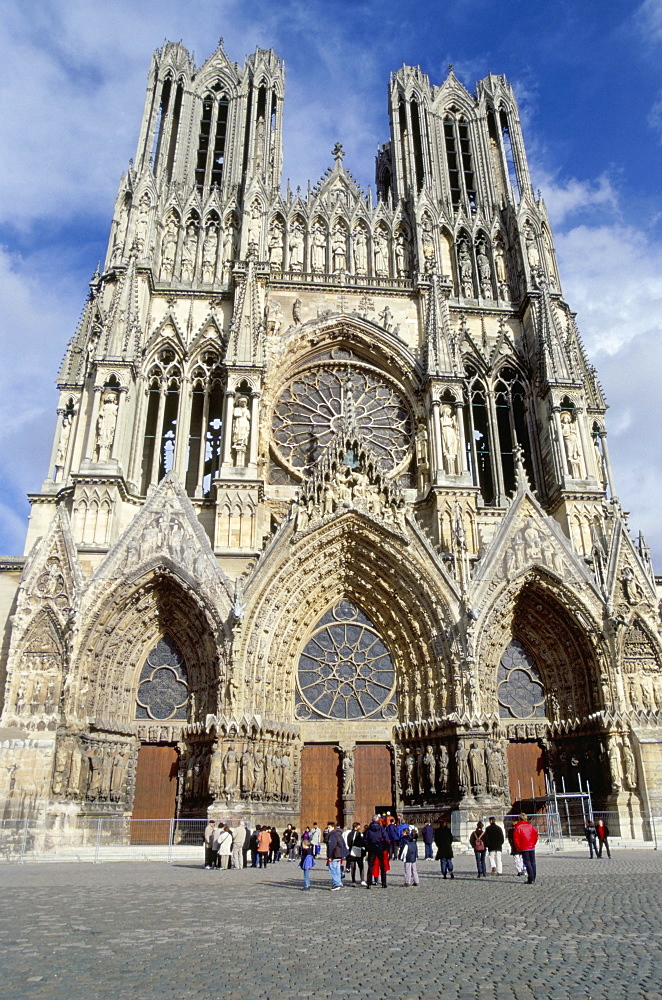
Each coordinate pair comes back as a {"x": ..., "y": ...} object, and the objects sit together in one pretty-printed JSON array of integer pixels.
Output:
[{"x": 573, "y": 196}]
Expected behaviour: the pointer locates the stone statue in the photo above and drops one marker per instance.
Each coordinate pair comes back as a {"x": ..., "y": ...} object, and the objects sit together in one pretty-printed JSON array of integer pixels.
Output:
[
  {"x": 189, "y": 251},
  {"x": 63, "y": 444},
  {"x": 615, "y": 765},
  {"x": 247, "y": 773},
  {"x": 360, "y": 246},
  {"x": 401, "y": 255},
  {"x": 95, "y": 775},
  {"x": 466, "y": 269},
  {"x": 241, "y": 427},
  {"x": 386, "y": 318},
  {"x": 532, "y": 254},
  {"x": 231, "y": 771},
  {"x": 230, "y": 239},
  {"x": 62, "y": 768},
  {"x": 476, "y": 762},
  {"x": 209, "y": 252},
  {"x": 348, "y": 773},
  {"x": 599, "y": 462},
  {"x": 318, "y": 251},
  {"x": 339, "y": 248},
  {"x": 258, "y": 774},
  {"x": 296, "y": 311},
  {"x": 501, "y": 270},
  {"x": 286, "y": 780},
  {"x": 409, "y": 774},
  {"x": 276, "y": 244},
  {"x": 427, "y": 241},
  {"x": 484, "y": 270},
  {"x": 442, "y": 769},
  {"x": 422, "y": 453},
  {"x": 255, "y": 227},
  {"x": 106, "y": 422},
  {"x": 571, "y": 444},
  {"x": 462, "y": 767},
  {"x": 450, "y": 440},
  {"x": 296, "y": 246},
  {"x": 142, "y": 222},
  {"x": 430, "y": 767},
  {"x": 493, "y": 762},
  {"x": 380, "y": 249},
  {"x": 629, "y": 767},
  {"x": 169, "y": 248}
]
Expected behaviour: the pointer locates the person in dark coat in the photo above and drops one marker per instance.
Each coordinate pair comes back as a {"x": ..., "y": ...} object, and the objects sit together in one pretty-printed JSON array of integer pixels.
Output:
[
  {"x": 393, "y": 835},
  {"x": 377, "y": 846},
  {"x": 427, "y": 833},
  {"x": 336, "y": 851},
  {"x": 356, "y": 846},
  {"x": 409, "y": 852},
  {"x": 478, "y": 844},
  {"x": 589, "y": 837},
  {"x": 493, "y": 839},
  {"x": 443, "y": 839}
]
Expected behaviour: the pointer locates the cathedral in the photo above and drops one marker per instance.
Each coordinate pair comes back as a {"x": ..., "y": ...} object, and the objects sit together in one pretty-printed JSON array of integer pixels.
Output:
[{"x": 329, "y": 523}]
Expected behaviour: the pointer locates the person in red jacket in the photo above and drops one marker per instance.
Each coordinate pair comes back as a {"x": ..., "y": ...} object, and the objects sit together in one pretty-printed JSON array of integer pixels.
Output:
[{"x": 525, "y": 838}]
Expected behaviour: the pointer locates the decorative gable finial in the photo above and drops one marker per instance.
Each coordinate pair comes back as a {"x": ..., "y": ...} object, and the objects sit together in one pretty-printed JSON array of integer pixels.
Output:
[{"x": 339, "y": 153}]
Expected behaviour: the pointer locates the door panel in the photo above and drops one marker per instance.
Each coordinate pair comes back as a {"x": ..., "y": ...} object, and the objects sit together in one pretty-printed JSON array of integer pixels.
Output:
[
  {"x": 156, "y": 794},
  {"x": 525, "y": 762},
  {"x": 321, "y": 776},
  {"x": 373, "y": 784}
]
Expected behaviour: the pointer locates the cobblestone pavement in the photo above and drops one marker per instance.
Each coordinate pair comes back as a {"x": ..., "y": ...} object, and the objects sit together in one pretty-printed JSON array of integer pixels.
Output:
[{"x": 152, "y": 931}]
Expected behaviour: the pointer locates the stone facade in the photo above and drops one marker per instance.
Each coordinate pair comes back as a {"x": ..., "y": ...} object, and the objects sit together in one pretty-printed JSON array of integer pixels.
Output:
[{"x": 327, "y": 470}]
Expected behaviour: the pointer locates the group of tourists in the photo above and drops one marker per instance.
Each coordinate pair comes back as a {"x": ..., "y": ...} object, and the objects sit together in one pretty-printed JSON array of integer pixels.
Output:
[
  {"x": 597, "y": 837},
  {"x": 363, "y": 853}
]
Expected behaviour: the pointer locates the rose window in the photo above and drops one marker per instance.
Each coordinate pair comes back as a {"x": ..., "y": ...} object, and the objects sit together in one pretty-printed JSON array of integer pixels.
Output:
[
  {"x": 519, "y": 688},
  {"x": 316, "y": 403},
  {"x": 163, "y": 684},
  {"x": 345, "y": 670}
]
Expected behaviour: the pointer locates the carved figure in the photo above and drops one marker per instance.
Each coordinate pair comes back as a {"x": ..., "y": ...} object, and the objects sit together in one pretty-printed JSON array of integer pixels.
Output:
[
  {"x": 296, "y": 246},
  {"x": 230, "y": 239},
  {"x": 484, "y": 270},
  {"x": 476, "y": 762},
  {"x": 615, "y": 765},
  {"x": 380, "y": 249},
  {"x": 629, "y": 767},
  {"x": 62, "y": 768},
  {"x": 571, "y": 444},
  {"x": 286, "y": 780},
  {"x": 318, "y": 252},
  {"x": 255, "y": 228},
  {"x": 430, "y": 768},
  {"x": 348, "y": 773},
  {"x": 450, "y": 440},
  {"x": 210, "y": 251},
  {"x": 402, "y": 255},
  {"x": 599, "y": 462},
  {"x": 106, "y": 422},
  {"x": 466, "y": 269},
  {"x": 231, "y": 771},
  {"x": 296, "y": 311},
  {"x": 189, "y": 251},
  {"x": 241, "y": 427},
  {"x": 462, "y": 768},
  {"x": 532, "y": 254},
  {"x": 422, "y": 454},
  {"x": 247, "y": 773},
  {"x": 442, "y": 769},
  {"x": 386, "y": 317},
  {"x": 501, "y": 270},
  {"x": 276, "y": 234},
  {"x": 142, "y": 221},
  {"x": 339, "y": 248},
  {"x": 493, "y": 764},
  {"x": 427, "y": 242},
  {"x": 169, "y": 248},
  {"x": 258, "y": 774},
  {"x": 409, "y": 774},
  {"x": 95, "y": 775},
  {"x": 360, "y": 245}
]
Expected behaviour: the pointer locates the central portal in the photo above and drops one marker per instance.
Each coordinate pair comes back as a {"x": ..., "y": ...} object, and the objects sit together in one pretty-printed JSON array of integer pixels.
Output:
[{"x": 322, "y": 780}]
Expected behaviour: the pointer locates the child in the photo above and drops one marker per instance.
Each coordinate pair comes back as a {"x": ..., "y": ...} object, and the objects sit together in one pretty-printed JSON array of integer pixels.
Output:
[
  {"x": 409, "y": 854},
  {"x": 307, "y": 862}
]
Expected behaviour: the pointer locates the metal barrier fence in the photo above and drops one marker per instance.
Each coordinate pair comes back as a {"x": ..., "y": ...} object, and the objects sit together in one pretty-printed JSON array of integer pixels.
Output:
[{"x": 102, "y": 839}]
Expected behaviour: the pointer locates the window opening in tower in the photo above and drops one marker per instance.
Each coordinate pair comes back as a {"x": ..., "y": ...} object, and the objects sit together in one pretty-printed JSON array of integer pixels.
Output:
[
  {"x": 509, "y": 152},
  {"x": 160, "y": 122},
  {"x": 203, "y": 142}
]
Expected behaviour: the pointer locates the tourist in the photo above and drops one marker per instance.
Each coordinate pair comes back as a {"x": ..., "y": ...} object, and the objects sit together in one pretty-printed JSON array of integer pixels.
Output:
[
  {"x": 274, "y": 850},
  {"x": 602, "y": 834},
  {"x": 263, "y": 846},
  {"x": 409, "y": 854},
  {"x": 517, "y": 857},
  {"x": 443, "y": 839},
  {"x": 315, "y": 838},
  {"x": 356, "y": 847},
  {"x": 210, "y": 851},
  {"x": 247, "y": 842},
  {"x": 589, "y": 837},
  {"x": 493, "y": 840},
  {"x": 290, "y": 841},
  {"x": 393, "y": 835},
  {"x": 478, "y": 844},
  {"x": 307, "y": 860},
  {"x": 377, "y": 847},
  {"x": 525, "y": 838},
  {"x": 224, "y": 846},
  {"x": 253, "y": 846},
  {"x": 427, "y": 834},
  {"x": 336, "y": 851},
  {"x": 238, "y": 841}
]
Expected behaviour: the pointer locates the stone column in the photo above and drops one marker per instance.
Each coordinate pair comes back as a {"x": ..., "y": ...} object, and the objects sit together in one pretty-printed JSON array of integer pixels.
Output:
[
  {"x": 347, "y": 748},
  {"x": 557, "y": 439},
  {"x": 92, "y": 426},
  {"x": 435, "y": 450},
  {"x": 118, "y": 438},
  {"x": 226, "y": 453},
  {"x": 255, "y": 417},
  {"x": 605, "y": 455},
  {"x": 579, "y": 420},
  {"x": 183, "y": 430},
  {"x": 156, "y": 457},
  {"x": 457, "y": 406},
  {"x": 199, "y": 490}
]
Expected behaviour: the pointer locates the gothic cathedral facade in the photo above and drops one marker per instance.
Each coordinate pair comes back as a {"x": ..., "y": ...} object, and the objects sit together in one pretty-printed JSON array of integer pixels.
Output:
[{"x": 329, "y": 522}]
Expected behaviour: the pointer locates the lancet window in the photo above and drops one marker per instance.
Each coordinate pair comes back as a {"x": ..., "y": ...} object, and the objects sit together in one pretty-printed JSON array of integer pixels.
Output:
[
  {"x": 211, "y": 152},
  {"x": 166, "y": 130},
  {"x": 459, "y": 160},
  {"x": 496, "y": 423}
]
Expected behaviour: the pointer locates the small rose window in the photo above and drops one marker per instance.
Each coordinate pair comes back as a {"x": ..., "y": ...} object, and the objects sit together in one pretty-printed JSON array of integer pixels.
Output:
[{"x": 163, "y": 684}]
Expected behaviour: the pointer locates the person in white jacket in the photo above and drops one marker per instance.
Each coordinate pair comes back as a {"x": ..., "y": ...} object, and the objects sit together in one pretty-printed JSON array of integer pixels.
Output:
[
  {"x": 224, "y": 846},
  {"x": 238, "y": 842}
]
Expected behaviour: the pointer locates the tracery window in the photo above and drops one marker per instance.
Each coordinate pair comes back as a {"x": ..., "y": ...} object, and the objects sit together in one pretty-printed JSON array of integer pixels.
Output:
[
  {"x": 459, "y": 161},
  {"x": 163, "y": 684},
  {"x": 345, "y": 670},
  {"x": 315, "y": 404},
  {"x": 520, "y": 692}
]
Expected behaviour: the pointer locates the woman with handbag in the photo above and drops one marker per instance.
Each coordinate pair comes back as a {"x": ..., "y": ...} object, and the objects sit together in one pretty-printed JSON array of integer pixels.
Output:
[
  {"x": 356, "y": 846},
  {"x": 479, "y": 848}
]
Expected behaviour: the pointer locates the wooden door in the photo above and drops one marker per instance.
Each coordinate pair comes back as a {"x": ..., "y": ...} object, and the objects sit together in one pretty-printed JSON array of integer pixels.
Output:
[
  {"x": 321, "y": 783},
  {"x": 156, "y": 794},
  {"x": 525, "y": 764},
  {"x": 373, "y": 781}
]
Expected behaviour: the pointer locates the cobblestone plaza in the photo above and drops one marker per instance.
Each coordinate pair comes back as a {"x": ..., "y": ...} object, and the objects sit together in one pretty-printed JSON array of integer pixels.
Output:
[{"x": 152, "y": 930}]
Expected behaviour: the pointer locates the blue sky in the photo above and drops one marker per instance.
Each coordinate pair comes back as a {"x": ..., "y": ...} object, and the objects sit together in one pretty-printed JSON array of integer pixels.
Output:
[{"x": 588, "y": 76}]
